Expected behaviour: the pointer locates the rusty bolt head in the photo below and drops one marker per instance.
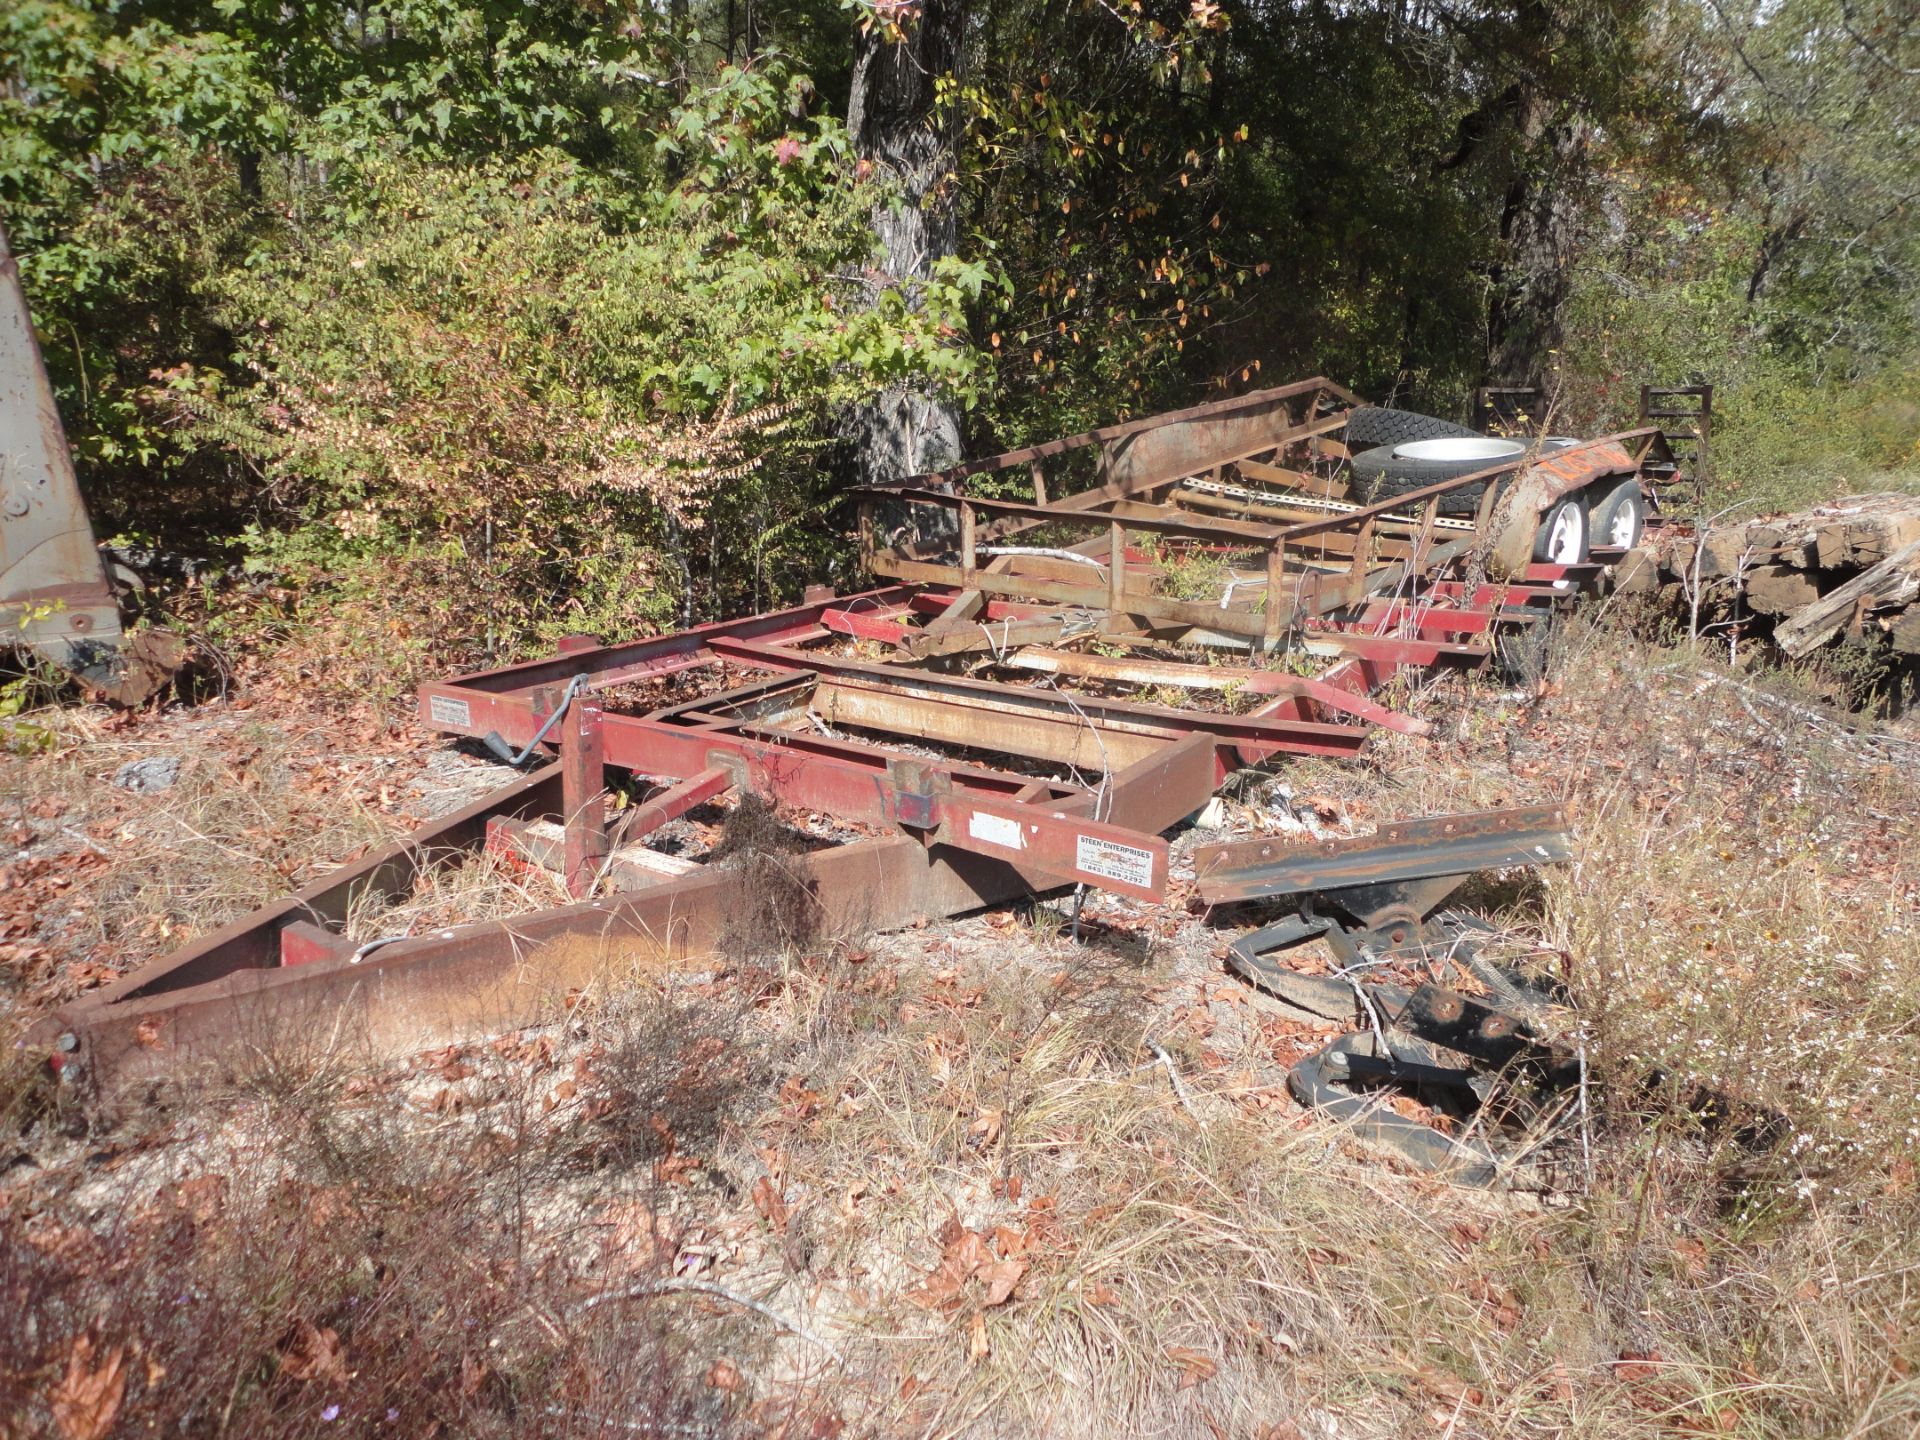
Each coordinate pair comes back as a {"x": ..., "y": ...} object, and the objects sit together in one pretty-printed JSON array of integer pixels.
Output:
[{"x": 1444, "y": 1007}]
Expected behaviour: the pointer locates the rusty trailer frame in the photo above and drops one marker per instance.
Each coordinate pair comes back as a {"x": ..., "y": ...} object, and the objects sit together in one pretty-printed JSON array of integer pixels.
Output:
[{"x": 967, "y": 791}]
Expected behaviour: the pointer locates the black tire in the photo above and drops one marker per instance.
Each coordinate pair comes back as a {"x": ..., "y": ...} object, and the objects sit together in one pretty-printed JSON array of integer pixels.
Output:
[
  {"x": 1376, "y": 425},
  {"x": 1624, "y": 506},
  {"x": 1379, "y": 474}
]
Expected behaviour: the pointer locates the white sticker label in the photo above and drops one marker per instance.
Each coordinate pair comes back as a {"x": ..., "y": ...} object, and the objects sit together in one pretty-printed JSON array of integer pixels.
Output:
[
  {"x": 1128, "y": 864},
  {"x": 443, "y": 710},
  {"x": 996, "y": 830}
]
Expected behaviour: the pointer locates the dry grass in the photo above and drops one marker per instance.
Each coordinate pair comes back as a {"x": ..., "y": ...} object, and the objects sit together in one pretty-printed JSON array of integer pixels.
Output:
[
  {"x": 958, "y": 1157},
  {"x": 258, "y": 807}
]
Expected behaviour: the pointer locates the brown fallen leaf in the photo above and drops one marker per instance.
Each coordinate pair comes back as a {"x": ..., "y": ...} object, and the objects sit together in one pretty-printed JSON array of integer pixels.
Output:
[
  {"x": 1691, "y": 1256},
  {"x": 1635, "y": 1366},
  {"x": 310, "y": 1352},
  {"x": 473, "y": 1374},
  {"x": 1442, "y": 1386},
  {"x": 86, "y": 1400},
  {"x": 1001, "y": 1278},
  {"x": 978, "y": 1347},
  {"x": 771, "y": 1204},
  {"x": 1196, "y": 1366}
]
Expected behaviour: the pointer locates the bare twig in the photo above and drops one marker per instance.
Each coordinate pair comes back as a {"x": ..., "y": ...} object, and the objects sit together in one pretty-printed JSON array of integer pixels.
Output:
[{"x": 1161, "y": 1058}]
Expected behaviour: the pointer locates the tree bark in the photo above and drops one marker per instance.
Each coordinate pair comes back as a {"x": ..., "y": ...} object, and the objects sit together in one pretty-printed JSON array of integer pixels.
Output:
[
  {"x": 1539, "y": 233},
  {"x": 1540, "y": 219},
  {"x": 907, "y": 431}
]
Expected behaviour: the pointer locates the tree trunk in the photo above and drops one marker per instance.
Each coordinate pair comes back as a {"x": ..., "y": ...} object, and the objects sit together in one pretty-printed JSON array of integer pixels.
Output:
[
  {"x": 1540, "y": 220},
  {"x": 1539, "y": 233},
  {"x": 907, "y": 431}
]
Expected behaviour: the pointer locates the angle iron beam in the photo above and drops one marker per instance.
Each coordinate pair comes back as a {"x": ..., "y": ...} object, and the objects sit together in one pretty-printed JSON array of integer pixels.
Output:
[
  {"x": 1406, "y": 850},
  {"x": 488, "y": 976},
  {"x": 610, "y": 665}
]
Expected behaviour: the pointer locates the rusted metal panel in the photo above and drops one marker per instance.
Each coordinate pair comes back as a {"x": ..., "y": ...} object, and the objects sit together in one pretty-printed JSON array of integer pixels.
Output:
[{"x": 1542, "y": 483}]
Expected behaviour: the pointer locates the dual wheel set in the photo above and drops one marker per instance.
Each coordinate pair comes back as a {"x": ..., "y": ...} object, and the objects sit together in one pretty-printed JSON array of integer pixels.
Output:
[{"x": 1395, "y": 452}]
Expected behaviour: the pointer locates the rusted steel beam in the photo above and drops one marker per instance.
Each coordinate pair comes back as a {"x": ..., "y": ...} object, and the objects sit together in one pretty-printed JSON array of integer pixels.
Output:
[
  {"x": 386, "y": 873},
  {"x": 1212, "y": 677},
  {"x": 1000, "y": 635},
  {"x": 1330, "y": 489},
  {"x": 583, "y": 794},
  {"x": 1257, "y": 403},
  {"x": 1070, "y": 848},
  {"x": 1406, "y": 850},
  {"x": 643, "y": 819},
  {"x": 865, "y": 626},
  {"x": 227, "y": 1003},
  {"x": 1173, "y": 526},
  {"x": 1151, "y": 608},
  {"x": 1491, "y": 594},
  {"x": 477, "y": 979},
  {"x": 611, "y": 665},
  {"x": 1085, "y": 712}
]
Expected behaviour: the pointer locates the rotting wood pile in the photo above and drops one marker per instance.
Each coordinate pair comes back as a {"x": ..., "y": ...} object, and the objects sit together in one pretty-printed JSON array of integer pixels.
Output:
[{"x": 1851, "y": 567}]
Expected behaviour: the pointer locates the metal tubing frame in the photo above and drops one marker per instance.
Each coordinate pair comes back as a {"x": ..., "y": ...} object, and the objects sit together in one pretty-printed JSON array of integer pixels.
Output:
[{"x": 956, "y": 835}]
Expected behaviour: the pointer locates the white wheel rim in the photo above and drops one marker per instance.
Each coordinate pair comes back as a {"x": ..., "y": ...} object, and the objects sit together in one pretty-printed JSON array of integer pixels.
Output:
[
  {"x": 1563, "y": 540},
  {"x": 1620, "y": 532},
  {"x": 1460, "y": 447}
]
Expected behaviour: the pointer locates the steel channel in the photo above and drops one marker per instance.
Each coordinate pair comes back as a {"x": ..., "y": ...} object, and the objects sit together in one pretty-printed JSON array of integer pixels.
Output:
[{"x": 1412, "y": 850}]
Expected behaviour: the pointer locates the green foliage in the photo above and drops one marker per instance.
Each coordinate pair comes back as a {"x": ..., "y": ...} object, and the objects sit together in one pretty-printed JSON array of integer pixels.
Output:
[
  {"x": 534, "y": 394},
  {"x": 1777, "y": 258},
  {"x": 486, "y": 319},
  {"x": 496, "y": 329}
]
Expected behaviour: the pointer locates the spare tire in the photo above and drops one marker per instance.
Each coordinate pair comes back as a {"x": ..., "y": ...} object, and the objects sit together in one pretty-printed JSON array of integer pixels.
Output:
[
  {"x": 1391, "y": 470},
  {"x": 1376, "y": 425}
]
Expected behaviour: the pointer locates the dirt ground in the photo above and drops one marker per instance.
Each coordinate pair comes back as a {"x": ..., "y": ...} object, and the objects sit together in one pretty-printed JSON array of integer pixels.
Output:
[{"x": 985, "y": 1177}]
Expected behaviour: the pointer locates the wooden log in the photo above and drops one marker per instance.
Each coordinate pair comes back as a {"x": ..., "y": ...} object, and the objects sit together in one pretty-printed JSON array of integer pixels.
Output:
[
  {"x": 1905, "y": 632},
  {"x": 1894, "y": 582},
  {"x": 1784, "y": 542},
  {"x": 1725, "y": 552},
  {"x": 1866, "y": 539},
  {"x": 1637, "y": 572},
  {"x": 1780, "y": 589}
]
